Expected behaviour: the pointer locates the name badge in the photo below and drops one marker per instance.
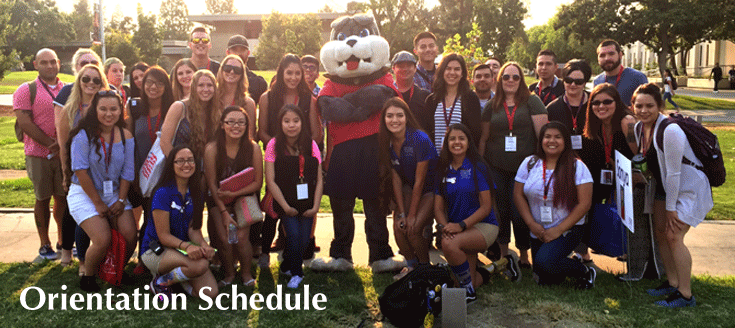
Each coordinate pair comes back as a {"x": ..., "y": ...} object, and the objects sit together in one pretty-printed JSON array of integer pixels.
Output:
[
  {"x": 450, "y": 180},
  {"x": 576, "y": 142},
  {"x": 546, "y": 214},
  {"x": 107, "y": 188},
  {"x": 302, "y": 191},
  {"x": 510, "y": 143},
  {"x": 606, "y": 177}
]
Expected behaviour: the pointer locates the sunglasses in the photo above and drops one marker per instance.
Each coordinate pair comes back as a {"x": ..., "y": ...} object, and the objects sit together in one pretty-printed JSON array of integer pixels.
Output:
[
  {"x": 107, "y": 93},
  {"x": 200, "y": 40},
  {"x": 85, "y": 63},
  {"x": 231, "y": 68},
  {"x": 569, "y": 80},
  {"x": 515, "y": 77},
  {"x": 604, "y": 102},
  {"x": 96, "y": 80}
]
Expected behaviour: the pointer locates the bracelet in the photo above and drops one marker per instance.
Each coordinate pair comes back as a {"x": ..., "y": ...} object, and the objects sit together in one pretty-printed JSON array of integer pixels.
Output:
[
  {"x": 181, "y": 242},
  {"x": 187, "y": 246},
  {"x": 223, "y": 211}
]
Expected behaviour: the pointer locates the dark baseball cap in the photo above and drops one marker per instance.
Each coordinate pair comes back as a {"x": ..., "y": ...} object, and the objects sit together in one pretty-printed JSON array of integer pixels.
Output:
[
  {"x": 403, "y": 56},
  {"x": 238, "y": 40}
]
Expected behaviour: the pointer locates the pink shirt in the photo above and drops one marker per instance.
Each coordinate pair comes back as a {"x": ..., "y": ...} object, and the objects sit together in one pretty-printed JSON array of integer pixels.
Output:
[
  {"x": 43, "y": 113},
  {"x": 270, "y": 151}
]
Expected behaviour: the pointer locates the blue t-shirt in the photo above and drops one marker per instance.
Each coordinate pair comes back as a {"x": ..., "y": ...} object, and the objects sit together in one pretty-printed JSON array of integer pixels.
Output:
[
  {"x": 463, "y": 188},
  {"x": 65, "y": 92},
  {"x": 86, "y": 156},
  {"x": 415, "y": 149},
  {"x": 629, "y": 81},
  {"x": 179, "y": 211}
]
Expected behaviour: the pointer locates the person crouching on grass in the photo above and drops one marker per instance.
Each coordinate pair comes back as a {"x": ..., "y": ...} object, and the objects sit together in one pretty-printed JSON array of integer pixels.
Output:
[
  {"x": 463, "y": 207},
  {"x": 173, "y": 247}
]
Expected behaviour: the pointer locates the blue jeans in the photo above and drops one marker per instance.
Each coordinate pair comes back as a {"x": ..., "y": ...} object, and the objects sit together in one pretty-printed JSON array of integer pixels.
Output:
[
  {"x": 550, "y": 261},
  {"x": 667, "y": 96},
  {"x": 376, "y": 230},
  {"x": 298, "y": 233},
  {"x": 507, "y": 212}
]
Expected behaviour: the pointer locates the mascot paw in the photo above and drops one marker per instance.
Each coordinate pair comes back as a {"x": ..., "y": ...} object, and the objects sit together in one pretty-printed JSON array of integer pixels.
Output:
[
  {"x": 387, "y": 265},
  {"x": 330, "y": 264}
]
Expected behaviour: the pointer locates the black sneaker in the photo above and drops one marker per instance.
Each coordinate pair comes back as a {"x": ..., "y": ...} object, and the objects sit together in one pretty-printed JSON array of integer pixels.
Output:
[
  {"x": 89, "y": 284},
  {"x": 471, "y": 296},
  {"x": 589, "y": 280},
  {"x": 513, "y": 269}
]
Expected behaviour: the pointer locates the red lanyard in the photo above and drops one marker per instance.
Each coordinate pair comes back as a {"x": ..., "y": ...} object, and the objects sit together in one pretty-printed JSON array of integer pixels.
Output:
[
  {"x": 511, "y": 117},
  {"x": 608, "y": 145},
  {"x": 122, "y": 92},
  {"x": 151, "y": 132},
  {"x": 108, "y": 156},
  {"x": 301, "y": 167},
  {"x": 620, "y": 74},
  {"x": 574, "y": 115},
  {"x": 451, "y": 112},
  {"x": 296, "y": 101},
  {"x": 538, "y": 91},
  {"x": 546, "y": 184}
]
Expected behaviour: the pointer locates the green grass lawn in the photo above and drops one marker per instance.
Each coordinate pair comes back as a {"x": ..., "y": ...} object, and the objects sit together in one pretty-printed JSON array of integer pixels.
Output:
[
  {"x": 695, "y": 103},
  {"x": 12, "y": 80},
  {"x": 352, "y": 299}
]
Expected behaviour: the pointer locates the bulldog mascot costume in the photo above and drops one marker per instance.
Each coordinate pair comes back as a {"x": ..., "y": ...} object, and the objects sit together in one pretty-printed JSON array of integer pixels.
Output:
[{"x": 357, "y": 60}]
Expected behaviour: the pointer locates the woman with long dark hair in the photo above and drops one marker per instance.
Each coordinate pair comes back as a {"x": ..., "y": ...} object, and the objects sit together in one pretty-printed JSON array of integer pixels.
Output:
[
  {"x": 553, "y": 192},
  {"x": 136, "y": 78},
  {"x": 408, "y": 169},
  {"x": 231, "y": 152},
  {"x": 233, "y": 89},
  {"x": 669, "y": 89}
]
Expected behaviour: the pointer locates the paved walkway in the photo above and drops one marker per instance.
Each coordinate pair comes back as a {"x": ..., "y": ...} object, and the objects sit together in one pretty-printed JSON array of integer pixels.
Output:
[{"x": 711, "y": 243}]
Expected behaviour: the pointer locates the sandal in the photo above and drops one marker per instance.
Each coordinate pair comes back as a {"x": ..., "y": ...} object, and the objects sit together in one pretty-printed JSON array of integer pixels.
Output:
[
  {"x": 222, "y": 283},
  {"x": 249, "y": 283}
]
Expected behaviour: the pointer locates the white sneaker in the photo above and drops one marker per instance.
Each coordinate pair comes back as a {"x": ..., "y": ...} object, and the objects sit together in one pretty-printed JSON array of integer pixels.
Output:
[
  {"x": 387, "y": 265},
  {"x": 264, "y": 261},
  {"x": 295, "y": 282},
  {"x": 330, "y": 264}
]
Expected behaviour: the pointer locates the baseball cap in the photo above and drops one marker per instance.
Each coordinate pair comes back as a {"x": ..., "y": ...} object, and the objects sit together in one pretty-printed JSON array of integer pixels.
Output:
[
  {"x": 237, "y": 40},
  {"x": 403, "y": 56}
]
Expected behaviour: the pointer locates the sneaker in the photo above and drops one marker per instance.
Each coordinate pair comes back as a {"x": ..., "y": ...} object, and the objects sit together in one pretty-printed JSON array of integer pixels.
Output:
[
  {"x": 160, "y": 290},
  {"x": 664, "y": 289},
  {"x": 471, "y": 296},
  {"x": 264, "y": 260},
  {"x": 285, "y": 273},
  {"x": 513, "y": 267},
  {"x": 387, "y": 265},
  {"x": 677, "y": 300},
  {"x": 89, "y": 284},
  {"x": 46, "y": 252},
  {"x": 589, "y": 280},
  {"x": 295, "y": 282}
]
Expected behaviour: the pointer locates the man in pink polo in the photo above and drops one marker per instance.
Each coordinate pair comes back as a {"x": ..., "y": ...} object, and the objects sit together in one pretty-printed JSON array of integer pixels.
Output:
[{"x": 35, "y": 116}]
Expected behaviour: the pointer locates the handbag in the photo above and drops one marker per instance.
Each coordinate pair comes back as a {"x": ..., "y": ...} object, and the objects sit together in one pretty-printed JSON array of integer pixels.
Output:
[
  {"x": 236, "y": 182},
  {"x": 605, "y": 231},
  {"x": 267, "y": 204},
  {"x": 111, "y": 268},
  {"x": 247, "y": 211},
  {"x": 152, "y": 168}
]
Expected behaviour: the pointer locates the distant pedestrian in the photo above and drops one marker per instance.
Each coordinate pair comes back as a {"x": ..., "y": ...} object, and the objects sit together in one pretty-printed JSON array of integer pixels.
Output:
[
  {"x": 731, "y": 72},
  {"x": 717, "y": 74},
  {"x": 669, "y": 89}
]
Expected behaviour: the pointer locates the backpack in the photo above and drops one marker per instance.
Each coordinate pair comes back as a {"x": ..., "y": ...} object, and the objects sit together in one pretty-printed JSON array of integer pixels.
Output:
[
  {"x": 674, "y": 85},
  {"x": 704, "y": 144},
  {"x": 406, "y": 302},
  {"x": 32, "y": 95}
]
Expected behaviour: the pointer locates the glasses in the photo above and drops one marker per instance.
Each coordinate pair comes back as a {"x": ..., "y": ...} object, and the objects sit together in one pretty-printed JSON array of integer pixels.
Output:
[
  {"x": 604, "y": 102},
  {"x": 200, "y": 40},
  {"x": 515, "y": 77},
  {"x": 232, "y": 68},
  {"x": 569, "y": 80},
  {"x": 85, "y": 63},
  {"x": 95, "y": 80},
  {"x": 235, "y": 123},
  {"x": 182, "y": 161},
  {"x": 150, "y": 83},
  {"x": 309, "y": 67}
]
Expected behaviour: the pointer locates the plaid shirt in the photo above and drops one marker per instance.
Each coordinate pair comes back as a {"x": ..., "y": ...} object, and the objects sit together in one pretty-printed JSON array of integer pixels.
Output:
[{"x": 423, "y": 78}]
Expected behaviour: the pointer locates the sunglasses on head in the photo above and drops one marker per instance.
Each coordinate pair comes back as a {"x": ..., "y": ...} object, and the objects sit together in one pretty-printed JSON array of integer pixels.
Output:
[
  {"x": 569, "y": 80},
  {"x": 515, "y": 77},
  {"x": 107, "y": 93},
  {"x": 200, "y": 40},
  {"x": 604, "y": 102},
  {"x": 85, "y": 63},
  {"x": 95, "y": 80},
  {"x": 232, "y": 68}
]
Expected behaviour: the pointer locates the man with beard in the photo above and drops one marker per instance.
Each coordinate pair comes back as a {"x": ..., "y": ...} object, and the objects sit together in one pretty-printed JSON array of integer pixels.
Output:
[
  {"x": 404, "y": 69},
  {"x": 625, "y": 79},
  {"x": 482, "y": 79},
  {"x": 200, "y": 43}
]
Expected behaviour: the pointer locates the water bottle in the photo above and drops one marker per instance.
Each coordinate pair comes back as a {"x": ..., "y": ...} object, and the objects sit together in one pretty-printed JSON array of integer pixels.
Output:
[{"x": 232, "y": 234}]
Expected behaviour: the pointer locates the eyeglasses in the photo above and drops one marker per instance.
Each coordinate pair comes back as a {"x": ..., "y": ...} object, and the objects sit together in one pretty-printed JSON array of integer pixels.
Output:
[
  {"x": 232, "y": 68},
  {"x": 235, "y": 123},
  {"x": 515, "y": 77},
  {"x": 150, "y": 83},
  {"x": 182, "y": 161},
  {"x": 95, "y": 80},
  {"x": 569, "y": 80},
  {"x": 604, "y": 102},
  {"x": 200, "y": 40},
  {"x": 309, "y": 67},
  {"x": 85, "y": 63}
]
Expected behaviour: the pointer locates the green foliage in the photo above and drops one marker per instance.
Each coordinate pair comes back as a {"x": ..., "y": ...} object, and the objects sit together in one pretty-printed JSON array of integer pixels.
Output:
[
  {"x": 174, "y": 22},
  {"x": 82, "y": 19},
  {"x": 8, "y": 57},
  {"x": 298, "y": 34},
  {"x": 398, "y": 20},
  {"x": 120, "y": 45},
  {"x": 471, "y": 50},
  {"x": 215, "y": 7},
  {"x": 147, "y": 37},
  {"x": 501, "y": 21}
]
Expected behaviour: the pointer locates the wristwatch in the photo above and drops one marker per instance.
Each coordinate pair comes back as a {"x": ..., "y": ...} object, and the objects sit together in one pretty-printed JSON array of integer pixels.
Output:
[{"x": 462, "y": 225}]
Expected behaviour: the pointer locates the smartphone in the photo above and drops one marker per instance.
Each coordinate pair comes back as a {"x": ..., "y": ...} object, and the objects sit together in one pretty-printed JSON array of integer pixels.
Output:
[{"x": 156, "y": 247}]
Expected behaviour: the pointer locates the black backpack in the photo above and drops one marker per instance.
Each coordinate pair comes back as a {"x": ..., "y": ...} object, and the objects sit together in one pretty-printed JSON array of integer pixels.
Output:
[
  {"x": 32, "y": 95},
  {"x": 674, "y": 85},
  {"x": 704, "y": 143},
  {"x": 406, "y": 302}
]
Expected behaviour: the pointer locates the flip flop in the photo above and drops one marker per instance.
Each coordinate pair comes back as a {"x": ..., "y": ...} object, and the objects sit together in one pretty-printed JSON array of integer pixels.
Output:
[
  {"x": 249, "y": 283},
  {"x": 222, "y": 284}
]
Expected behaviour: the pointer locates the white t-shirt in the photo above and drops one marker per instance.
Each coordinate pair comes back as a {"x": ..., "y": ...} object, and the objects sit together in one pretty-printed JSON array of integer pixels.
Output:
[
  {"x": 533, "y": 188},
  {"x": 667, "y": 88}
]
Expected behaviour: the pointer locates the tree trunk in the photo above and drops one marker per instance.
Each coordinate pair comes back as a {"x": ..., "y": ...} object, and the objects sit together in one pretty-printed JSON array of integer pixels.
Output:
[
  {"x": 684, "y": 55},
  {"x": 672, "y": 64}
]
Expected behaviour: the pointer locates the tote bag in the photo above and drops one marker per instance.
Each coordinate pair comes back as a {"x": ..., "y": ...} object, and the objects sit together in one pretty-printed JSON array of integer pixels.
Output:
[
  {"x": 111, "y": 268},
  {"x": 152, "y": 168}
]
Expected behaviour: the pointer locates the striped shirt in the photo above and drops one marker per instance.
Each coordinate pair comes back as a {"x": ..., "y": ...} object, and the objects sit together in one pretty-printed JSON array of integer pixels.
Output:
[{"x": 453, "y": 115}]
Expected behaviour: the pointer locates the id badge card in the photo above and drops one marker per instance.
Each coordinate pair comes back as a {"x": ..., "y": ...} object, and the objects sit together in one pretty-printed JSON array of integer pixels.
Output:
[
  {"x": 576, "y": 142},
  {"x": 546, "y": 214},
  {"x": 107, "y": 188},
  {"x": 606, "y": 177},
  {"x": 510, "y": 143},
  {"x": 302, "y": 191}
]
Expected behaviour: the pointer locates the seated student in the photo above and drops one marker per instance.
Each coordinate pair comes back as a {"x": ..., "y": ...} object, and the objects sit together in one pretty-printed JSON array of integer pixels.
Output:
[
  {"x": 176, "y": 228},
  {"x": 553, "y": 193},
  {"x": 463, "y": 207}
]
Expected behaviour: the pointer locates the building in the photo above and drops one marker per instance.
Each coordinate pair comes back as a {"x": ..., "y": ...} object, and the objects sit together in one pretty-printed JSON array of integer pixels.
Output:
[{"x": 699, "y": 62}]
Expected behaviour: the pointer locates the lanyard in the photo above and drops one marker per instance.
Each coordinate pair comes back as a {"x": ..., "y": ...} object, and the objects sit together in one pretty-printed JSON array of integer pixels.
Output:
[
  {"x": 45, "y": 86},
  {"x": 538, "y": 91},
  {"x": 108, "y": 156},
  {"x": 608, "y": 145},
  {"x": 451, "y": 112},
  {"x": 296, "y": 101},
  {"x": 511, "y": 117},
  {"x": 122, "y": 93},
  {"x": 574, "y": 115},
  {"x": 546, "y": 184},
  {"x": 644, "y": 145},
  {"x": 301, "y": 168},
  {"x": 152, "y": 132},
  {"x": 620, "y": 74}
]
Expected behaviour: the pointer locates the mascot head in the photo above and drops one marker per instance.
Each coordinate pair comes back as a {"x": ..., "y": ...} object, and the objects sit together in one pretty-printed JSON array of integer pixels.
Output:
[{"x": 355, "y": 47}]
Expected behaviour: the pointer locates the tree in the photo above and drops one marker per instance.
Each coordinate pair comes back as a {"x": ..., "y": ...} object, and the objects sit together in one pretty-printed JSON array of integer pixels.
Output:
[
  {"x": 8, "y": 55},
  {"x": 326, "y": 9},
  {"x": 82, "y": 20},
  {"x": 119, "y": 22},
  {"x": 216, "y": 7},
  {"x": 471, "y": 51},
  {"x": 31, "y": 26},
  {"x": 298, "y": 34},
  {"x": 501, "y": 22},
  {"x": 398, "y": 20},
  {"x": 119, "y": 44},
  {"x": 525, "y": 48},
  {"x": 452, "y": 17},
  {"x": 174, "y": 22},
  {"x": 147, "y": 38}
]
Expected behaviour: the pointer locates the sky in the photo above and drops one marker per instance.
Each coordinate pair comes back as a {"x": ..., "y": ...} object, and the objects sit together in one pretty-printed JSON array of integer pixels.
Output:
[{"x": 539, "y": 10}]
